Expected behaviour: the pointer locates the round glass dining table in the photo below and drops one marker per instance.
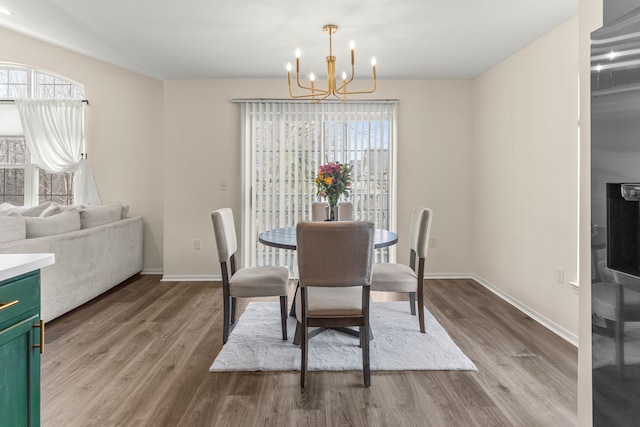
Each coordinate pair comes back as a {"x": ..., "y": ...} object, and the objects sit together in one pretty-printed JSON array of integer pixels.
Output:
[{"x": 285, "y": 238}]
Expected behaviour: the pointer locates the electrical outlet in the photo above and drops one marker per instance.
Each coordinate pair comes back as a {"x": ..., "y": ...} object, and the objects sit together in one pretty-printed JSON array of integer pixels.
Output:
[
  {"x": 433, "y": 243},
  {"x": 223, "y": 185},
  {"x": 560, "y": 275},
  {"x": 197, "y": 243}
]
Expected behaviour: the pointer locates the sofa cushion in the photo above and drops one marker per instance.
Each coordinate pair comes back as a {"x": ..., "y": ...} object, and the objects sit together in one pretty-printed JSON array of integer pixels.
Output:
[
  {"x": 12, "y": 227},
  {"x": 93, "y": 217},
  {"x": 50, "y": 225},
  {"x": 34, "y": 210}
]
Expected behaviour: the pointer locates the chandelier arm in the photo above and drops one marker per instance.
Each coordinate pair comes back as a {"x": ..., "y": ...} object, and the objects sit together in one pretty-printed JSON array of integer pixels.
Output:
[
  {"x": 312, "y": 95},
  {"x": 336, "y": 94},
  {"x": 373, "y": 89},
  {"x": 323, "y": 98},
  {"x": 308, "y": 96},
  {"x": 358, "y": 92},
  {"x": 301, "y": 86}
]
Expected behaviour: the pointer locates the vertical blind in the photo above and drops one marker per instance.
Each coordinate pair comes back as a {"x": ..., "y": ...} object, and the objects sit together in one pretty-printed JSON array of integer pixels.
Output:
[{"x": 285, "y": 142}]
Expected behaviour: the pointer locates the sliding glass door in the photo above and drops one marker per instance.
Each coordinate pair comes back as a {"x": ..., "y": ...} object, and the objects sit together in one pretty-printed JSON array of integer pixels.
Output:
[{"x": 285, "y": 142}]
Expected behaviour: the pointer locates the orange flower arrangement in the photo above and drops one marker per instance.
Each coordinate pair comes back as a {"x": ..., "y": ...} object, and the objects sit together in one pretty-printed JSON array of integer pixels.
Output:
[{"x": 332, "y": 181}]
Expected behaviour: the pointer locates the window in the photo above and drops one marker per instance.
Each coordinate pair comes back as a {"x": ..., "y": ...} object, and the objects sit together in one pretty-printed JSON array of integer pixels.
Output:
[
  {"x": 21, "y": 182},
  {"x": 13, "y": 158},
  {"x": 286, "y": 142}
]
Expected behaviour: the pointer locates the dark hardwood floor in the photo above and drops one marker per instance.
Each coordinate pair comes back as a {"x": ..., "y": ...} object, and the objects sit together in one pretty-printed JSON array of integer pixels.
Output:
[{"x": 139, "y": 356}]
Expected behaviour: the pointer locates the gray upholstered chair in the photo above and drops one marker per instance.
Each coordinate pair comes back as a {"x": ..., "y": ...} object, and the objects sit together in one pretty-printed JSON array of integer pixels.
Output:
[
  {"x": 616, "y": 300},
  {"x": 388, "y": 277},
  {"x": 245, "y": 282},
  {"x": 318, "y": 211},
  {"x": 334, "y": 265}
]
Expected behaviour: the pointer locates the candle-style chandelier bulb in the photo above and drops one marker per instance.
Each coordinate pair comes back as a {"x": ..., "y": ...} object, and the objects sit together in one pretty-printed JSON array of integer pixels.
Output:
[{"x": 341, "y": 92}]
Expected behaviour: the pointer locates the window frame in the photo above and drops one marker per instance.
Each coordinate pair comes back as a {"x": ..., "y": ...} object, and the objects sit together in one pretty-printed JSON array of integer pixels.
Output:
[{"x": 32, "y": 173}]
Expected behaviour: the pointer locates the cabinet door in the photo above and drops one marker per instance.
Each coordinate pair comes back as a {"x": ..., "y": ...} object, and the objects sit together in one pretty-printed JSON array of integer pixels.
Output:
[{"x": 20, "y": 374}]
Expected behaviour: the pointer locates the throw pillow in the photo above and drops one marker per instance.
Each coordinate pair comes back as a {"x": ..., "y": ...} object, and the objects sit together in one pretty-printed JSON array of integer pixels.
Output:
[
  {"x": 93, "y": 217},
  {"x": 35, "y": 210},
  {"x": 12, "y": 227},
  {"x": 71, "y": 207},
  {"x": 54, "y": 209},
  {"x": 9, "y": 209},
  {"x": 51, "y": 225},
  {"x": 6, "y": 208}
]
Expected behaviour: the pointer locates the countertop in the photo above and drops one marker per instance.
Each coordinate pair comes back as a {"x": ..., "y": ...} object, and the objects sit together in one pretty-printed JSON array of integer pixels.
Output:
[{"x": 12, "y": 265}]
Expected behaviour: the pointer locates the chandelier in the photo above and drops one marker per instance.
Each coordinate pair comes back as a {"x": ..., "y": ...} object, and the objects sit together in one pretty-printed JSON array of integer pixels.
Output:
[{"x": 318, "y": 94}]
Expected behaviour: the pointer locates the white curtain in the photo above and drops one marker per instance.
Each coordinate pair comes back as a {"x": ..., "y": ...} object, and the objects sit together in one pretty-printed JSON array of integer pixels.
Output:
[
  {"x": 284, "y": 144},
  {"x": 53, "y": 130}
]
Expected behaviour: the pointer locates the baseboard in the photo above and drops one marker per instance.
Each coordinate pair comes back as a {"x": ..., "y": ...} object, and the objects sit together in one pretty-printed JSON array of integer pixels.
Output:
[
  {"x": 191, "y": 278},
  {"x": 150, "y": 271},
  {"x": 450, "y": 276},
  {"x": 547, "y": 323}
]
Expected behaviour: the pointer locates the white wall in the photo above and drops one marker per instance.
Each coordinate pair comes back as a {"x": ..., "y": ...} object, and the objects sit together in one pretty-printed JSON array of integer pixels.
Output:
[
  {"x": 525, "y": 176},
  {"x": 123, "y": 130},
  {"x": 202, "y": 143}
]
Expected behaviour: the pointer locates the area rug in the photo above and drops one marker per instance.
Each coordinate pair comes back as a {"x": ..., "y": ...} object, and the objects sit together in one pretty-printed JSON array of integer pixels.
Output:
[{"x": 256, "y": 344}]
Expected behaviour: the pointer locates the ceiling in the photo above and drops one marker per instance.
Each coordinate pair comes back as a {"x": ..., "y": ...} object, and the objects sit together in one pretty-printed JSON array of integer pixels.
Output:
[{"x": 254, "y": 39}]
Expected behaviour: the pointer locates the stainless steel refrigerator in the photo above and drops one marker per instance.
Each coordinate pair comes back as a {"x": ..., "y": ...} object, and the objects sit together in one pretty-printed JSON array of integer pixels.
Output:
[{"x": 615, "y": 221}]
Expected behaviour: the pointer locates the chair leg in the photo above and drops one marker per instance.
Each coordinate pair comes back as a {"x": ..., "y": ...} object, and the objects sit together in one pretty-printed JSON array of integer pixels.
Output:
[
  {"x": 366, "y": 365},
  {"x": 305, "y": 338},
  {"x": 421, "y": 307},
  {"x": 226, "y": 316},
  {"x": 412, "y": 302},
  {"x": 619, "y": 341},
  {"x": 233, "y": 310},
  {"x": 619, "y": 330},
  {"x": 292, "y": 312},
  {"x": 304, "y": 344},
  {"x": 283, "y": 316},
  {"x": 297, "y": 336},
  {"x": 226, "y": 301},
  {"x": 364, "y": 343}
]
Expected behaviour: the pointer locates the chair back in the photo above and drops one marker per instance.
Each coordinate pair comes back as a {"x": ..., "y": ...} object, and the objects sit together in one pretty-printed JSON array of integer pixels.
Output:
[
  {"x": 626, "y": 280},
  {"x": 225, "y": 232},
  {"x": 318, "y": 211},
  {"x": 335, "y": 254},
  {"x": 420, "y": 231}
]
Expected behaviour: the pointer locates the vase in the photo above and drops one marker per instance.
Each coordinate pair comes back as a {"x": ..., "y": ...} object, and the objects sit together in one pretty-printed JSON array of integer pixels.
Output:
[{"x": 332, "y": 213}]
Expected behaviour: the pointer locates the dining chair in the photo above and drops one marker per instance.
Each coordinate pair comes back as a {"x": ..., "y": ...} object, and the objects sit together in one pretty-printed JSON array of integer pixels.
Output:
[
  {"x": 319, "y": 211},
  {"x": 334, "y": 266},
  {"x": 616, "y": 299},
  {"x": 390, "y": 277},
  {"x": 245, "y": 282}
]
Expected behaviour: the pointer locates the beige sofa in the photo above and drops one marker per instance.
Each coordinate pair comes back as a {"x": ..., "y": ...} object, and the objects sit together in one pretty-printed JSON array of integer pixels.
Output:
[{"x": 95, "y": 249}]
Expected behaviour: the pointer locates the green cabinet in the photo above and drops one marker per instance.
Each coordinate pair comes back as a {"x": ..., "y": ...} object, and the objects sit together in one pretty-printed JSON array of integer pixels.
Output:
[{"x": 20, "y": 345}]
